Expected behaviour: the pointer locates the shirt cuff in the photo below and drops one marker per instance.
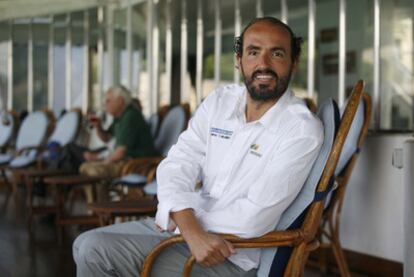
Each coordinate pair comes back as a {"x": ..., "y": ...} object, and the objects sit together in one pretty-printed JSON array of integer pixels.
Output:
[{"x": 162, "y": 217}]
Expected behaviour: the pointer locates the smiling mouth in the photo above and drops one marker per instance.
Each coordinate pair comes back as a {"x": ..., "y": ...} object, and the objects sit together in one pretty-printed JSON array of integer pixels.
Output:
[{"x": 264, "y": 77}]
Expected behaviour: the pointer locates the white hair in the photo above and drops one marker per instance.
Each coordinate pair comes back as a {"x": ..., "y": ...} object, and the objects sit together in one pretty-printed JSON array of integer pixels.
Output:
[{"x": 121, "y": 91}]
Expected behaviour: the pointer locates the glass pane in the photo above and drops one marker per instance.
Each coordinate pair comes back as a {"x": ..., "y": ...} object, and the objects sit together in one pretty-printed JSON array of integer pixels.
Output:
[
  {"x": 77, "y": 57},
  {"x": 20, "y": 36},
  {"x": 208, "y": 47},
  {"x": 190, "y": 80},
  {"x": 59, "y": 63},
  {"x": 140, "y": 75},
  {"x": 138, "y": 45},
  {"x": 298, "y": 21},
  {"x": 397, "y": 59},
  {"x": 271, "y": 8},
  {"x": 95, "y": 32},
  {"x": 360, "y": 44},
  {"x": 40, "y": 28},
  {"x": 4, "y": 52},
  {"x": 120, "y": 65},
  {"x": 162, "y": 13},
  {"x": 227, "y": 42},
  {"x": 327, "y": 49}
]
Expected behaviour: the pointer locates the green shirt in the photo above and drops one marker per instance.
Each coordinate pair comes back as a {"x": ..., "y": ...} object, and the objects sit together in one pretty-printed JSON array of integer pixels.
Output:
[{"x": 131, "y": 131}]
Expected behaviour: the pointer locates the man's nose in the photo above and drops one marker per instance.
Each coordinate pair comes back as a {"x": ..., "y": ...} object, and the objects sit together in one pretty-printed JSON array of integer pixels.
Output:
[{"x": 264, "y": 61}]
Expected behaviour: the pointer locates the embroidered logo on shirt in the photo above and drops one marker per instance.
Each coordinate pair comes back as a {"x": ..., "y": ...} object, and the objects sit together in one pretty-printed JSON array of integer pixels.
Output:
[
  {"x": 254, "y": 149},
  {"x": 221, "y": 133}
]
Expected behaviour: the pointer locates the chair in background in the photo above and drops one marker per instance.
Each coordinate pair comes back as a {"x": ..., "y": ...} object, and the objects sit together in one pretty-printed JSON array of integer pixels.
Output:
[
  {"x": 30, "y": 139},
  {"x": 8, "y": 126},
  {"x": 66, "y": 130},
  {"x": 153, "y": 123},
  {"x": 330, "y": 225},
  {"x": 310, "y": 103},
  {"x": 297, "y": 228}
]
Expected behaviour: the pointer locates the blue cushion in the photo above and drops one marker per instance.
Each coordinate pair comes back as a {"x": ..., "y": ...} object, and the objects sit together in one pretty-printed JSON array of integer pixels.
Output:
[
  {"x": 153, "y": 122},
  {"x": 151, "y": 188},
  {"x": 66, "y": 128},
  {"x": 171, "y": 127},
  {"x": 6, "y": 128},
  {"x": 132, "y": 179},
  {"x": 5, "y": 159},
  {"x": 351, "y": 141},
  {"x": 24, "y": 160},
  {"x": 32, "y": 131},
  {"x": 329, "y": 115}
]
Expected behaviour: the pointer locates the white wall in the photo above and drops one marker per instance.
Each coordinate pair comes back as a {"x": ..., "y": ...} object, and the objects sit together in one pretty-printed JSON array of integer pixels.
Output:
[{"x": 372, "y": 217}]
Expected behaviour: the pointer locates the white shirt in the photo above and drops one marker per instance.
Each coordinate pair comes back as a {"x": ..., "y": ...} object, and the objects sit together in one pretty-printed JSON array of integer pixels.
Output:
[{"x": 250, "y": 172}]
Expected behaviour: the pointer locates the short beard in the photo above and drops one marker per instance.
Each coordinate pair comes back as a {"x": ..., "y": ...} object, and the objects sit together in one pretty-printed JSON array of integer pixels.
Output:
[{"x": 263, "y": 92}]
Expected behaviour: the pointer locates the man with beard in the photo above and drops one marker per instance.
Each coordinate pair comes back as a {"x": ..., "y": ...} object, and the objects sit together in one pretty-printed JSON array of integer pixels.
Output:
[{"x": 251, "y": 146}]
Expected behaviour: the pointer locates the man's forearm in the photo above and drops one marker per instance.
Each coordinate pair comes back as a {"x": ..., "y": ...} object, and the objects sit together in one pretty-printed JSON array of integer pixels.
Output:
[
  {"x": 208, "y": 249},
  {"x": 187, "y": 223},
  {"x": 117, "y": 155},
  {"x": 102, "y": 134}
]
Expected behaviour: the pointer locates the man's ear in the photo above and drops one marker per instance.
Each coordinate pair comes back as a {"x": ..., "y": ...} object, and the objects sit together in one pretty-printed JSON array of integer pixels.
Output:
[
  {"x": 238, "y": 62},
  {"x": 295, "y": 66}
]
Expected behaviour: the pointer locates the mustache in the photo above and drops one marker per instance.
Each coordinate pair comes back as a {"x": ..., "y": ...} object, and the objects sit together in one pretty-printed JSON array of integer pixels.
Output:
[{"x": 265, "y": 71}]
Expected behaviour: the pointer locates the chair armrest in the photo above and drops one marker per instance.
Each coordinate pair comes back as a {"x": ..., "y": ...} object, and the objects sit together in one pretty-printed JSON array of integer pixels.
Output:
[
  {"x": 145, "y": 166},
  {"x": 38, "y": 148},
  {"x": 269, "y": 240},
  {"x": 98, "y": 150}
]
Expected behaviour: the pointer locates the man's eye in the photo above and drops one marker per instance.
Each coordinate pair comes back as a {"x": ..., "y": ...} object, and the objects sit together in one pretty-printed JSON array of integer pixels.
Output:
[
  {"x": 252, "y": 53},
  {"x": 278, "y": 54}
]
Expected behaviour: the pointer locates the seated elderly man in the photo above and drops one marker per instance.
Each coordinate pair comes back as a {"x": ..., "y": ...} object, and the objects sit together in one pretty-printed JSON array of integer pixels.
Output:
[
  {"x": 132, "y": 138},
  {"x": 251, "y": 145}
]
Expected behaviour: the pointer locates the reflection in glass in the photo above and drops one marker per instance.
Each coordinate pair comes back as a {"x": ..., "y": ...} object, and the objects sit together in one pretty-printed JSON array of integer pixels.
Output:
[
  {"x": 397, "y": 58},
  {"x": 298, "y": 21},
  {"x": 40, "y": 27},
  {"x": 20, "y": 65},
  {"x": 327, "y": 50},
  {"x": 77, "y": 57},
  {"x": 4, "y": 52},
  {"x": 59, "y": 66}
]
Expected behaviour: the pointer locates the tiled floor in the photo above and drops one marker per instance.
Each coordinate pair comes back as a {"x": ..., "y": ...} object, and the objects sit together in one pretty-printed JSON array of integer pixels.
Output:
[{"x": 40, "y": 255}]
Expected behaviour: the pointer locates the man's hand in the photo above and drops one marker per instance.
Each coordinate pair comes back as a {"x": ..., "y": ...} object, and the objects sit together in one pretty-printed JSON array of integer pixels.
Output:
[
  {"x": 90, "y": 156},
  {"x": 208, "y": 249}
]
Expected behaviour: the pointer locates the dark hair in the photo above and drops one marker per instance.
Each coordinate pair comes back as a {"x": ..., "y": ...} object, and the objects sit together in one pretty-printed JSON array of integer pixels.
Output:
[{"x": 295, "y": 42}]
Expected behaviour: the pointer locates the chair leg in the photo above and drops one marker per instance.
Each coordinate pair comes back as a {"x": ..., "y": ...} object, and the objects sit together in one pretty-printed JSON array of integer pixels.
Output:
[
  {"x": 29, "y": 183},
  {"x": 323, "y": 261},
  {"x": 340, "y": 258}
]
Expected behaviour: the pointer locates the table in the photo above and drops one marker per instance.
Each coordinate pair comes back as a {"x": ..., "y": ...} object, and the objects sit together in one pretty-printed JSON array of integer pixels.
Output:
[
  {"x": 107, "y": 211},
  {"x": 61, "y": 184}
]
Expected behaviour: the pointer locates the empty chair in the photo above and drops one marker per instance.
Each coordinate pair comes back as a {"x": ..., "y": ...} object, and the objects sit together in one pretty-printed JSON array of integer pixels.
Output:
[
  {"x": 64, "y": 132},
  {"x": 30, "y": 137},
  {"x": 67, "y": 127},
  {"x": 7, "y": 127},
  {"x": 153, "y": 122}
]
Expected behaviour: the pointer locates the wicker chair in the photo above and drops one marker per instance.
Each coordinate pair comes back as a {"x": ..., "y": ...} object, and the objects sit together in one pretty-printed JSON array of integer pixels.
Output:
[
  {"x": 295, "y": 236},
  {"x": 330, "y": 225}
]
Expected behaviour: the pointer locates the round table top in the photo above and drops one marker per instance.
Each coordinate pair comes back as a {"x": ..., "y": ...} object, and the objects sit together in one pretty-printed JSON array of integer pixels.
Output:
[{"x": 73, "y": 179}]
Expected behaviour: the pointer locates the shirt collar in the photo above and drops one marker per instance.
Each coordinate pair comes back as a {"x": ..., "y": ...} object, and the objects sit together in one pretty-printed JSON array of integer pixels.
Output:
[
  {"x": 237, "y": 107},
  {"x": 272, "y": 115}
]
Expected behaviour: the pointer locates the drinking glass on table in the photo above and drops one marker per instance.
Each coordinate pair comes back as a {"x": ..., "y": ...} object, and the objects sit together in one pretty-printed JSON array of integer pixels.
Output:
[{"x": 94, "y": 119}]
